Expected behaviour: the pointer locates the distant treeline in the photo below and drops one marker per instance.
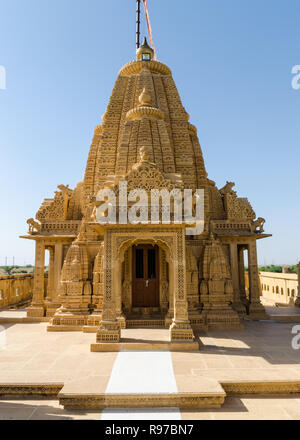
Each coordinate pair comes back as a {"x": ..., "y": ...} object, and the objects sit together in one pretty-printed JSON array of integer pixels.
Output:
[
  {"x": 10, "y": 270},
  {"x": 277, "y": 269}
]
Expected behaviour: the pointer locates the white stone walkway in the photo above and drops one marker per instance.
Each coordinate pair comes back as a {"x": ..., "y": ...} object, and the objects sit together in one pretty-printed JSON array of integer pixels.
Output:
[{"x": 142, "y": 372}]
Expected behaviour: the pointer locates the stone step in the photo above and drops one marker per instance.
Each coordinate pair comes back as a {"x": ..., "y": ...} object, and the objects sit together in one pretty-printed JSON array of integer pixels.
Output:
[
  {"x": 145, "y": 310},
  {"x": 145, "y": 323},
  {"x": 91, "y": 393},
  {"x": 260, "y": 387},
  {"x": 196, "y": 392},
  {"x": 49, "y": 389},
  {"x": 144, "y": 346},
  {"x": 22, "y": 320}
]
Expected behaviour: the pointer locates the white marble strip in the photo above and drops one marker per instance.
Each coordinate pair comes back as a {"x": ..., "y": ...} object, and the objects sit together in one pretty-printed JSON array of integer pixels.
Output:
[{"x": 142, "y": 372}]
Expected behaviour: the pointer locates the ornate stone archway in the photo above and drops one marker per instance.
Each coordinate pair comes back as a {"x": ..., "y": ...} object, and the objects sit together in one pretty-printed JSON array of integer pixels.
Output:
[
  {"x": 116, "y": 241},
  {"x": 124, "y": 299}
]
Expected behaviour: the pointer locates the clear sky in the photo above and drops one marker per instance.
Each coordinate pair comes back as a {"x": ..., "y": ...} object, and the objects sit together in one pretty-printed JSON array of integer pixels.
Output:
[{"x": 231, "y": 61}]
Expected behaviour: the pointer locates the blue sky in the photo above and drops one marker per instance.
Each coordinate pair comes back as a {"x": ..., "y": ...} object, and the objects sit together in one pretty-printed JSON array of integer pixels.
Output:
[{"x": 232, "y": 65}]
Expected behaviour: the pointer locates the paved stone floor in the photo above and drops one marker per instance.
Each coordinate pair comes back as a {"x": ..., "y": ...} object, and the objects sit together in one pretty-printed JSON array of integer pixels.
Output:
[
  {"x": 262, "y": 351},
  {"x": 13, "y": 313},
  {"x": 282, "y": 310}
]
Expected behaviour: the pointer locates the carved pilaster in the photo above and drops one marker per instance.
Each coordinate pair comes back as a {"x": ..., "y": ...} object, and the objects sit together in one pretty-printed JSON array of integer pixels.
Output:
[
  {"x": 164, "y": 282},
  {"x": 180, "y": 329},
  {"x": 109, "y": 330}
]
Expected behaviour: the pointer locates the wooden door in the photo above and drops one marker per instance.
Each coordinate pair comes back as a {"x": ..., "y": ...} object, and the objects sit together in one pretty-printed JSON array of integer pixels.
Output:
[{"x": 145, "y": 276}]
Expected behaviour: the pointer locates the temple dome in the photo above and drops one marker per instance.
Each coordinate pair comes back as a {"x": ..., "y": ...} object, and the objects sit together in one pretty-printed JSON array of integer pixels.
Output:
[
  {"x": 163, "y": 126},
  {"x": 145, "y": 109}
]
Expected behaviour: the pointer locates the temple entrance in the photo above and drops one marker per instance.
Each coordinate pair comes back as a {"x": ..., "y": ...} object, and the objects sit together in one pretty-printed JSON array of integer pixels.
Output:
[{"x": 145, "y": 276}]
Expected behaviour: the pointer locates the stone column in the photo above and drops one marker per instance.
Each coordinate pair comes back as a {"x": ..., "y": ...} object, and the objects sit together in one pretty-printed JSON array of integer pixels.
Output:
[
  {"x": 55, "y": 265},
  {"x": 235, "y": 274},
  {"x": 117, "y": 283},
  {"x": 58, "y": 261},
  {"x": 241, "y": 264},
  {"x": 50, "y": 303},
  {"x": 37, "y": 306},
  {"x": 180, "y": 329},
  {"x": 109, "y": 330},
  {"x": 50, "y": 285},
  {"x": 256, "y": 308}
]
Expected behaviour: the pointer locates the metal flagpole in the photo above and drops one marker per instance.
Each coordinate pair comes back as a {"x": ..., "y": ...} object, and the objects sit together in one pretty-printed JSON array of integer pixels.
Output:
[{"x": 138, "y": 23}]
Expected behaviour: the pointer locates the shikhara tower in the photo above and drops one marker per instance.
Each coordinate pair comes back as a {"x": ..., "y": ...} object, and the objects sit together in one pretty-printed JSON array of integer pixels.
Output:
[{"x": 104, "y": 278}]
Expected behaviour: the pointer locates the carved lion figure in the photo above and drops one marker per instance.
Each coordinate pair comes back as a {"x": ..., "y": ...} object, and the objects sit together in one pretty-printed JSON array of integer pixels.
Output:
[
  {"x": 227, "y": 189},
  {"x": 33, "y": 226},
  {"x": 64, "y": 189},
  {"x": 258, "y": 225}
]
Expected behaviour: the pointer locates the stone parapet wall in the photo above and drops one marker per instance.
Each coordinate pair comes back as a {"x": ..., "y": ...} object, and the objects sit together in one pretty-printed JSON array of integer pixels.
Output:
[
  {"x": 281, "y": 288},
  {"x": 15, "y": 289}
]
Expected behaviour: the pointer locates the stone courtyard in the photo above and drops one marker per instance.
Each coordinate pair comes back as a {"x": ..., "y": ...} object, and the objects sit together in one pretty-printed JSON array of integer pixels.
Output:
[{"x": 261, "y": 354}]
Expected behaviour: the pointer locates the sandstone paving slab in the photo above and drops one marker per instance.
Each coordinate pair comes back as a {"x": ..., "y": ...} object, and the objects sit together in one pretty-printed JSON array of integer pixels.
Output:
[
  {"x": 89, "y": 385},
  {"x": 21, "y": 413},
  {"x": 199, "y": 385}
]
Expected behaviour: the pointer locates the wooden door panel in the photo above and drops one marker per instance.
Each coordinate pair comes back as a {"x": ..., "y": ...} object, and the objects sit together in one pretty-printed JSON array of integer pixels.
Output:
[{"x": 145, "y": 285}]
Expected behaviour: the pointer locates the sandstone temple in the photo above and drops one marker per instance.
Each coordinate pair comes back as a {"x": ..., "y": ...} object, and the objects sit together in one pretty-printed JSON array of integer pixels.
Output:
[{"x": 104, "y": 278}]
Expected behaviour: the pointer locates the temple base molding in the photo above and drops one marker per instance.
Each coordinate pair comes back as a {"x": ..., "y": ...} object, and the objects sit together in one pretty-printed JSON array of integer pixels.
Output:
[
  {"x": 35, "y": 311},
  {"x": 257, "y": 311},
  {"x": 109, "y": 331},
  {"x": 181, "y": 331}
]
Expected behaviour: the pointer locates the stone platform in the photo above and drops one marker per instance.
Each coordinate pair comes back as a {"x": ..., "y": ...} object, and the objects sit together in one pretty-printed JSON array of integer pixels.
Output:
[{"x": 256, "y": 362}]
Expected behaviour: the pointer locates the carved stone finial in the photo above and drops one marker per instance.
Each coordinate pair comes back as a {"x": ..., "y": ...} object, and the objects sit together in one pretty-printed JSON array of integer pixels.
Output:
[
  {"x": 145, "y": 52},
  {"x": 145, "y": 99}
]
